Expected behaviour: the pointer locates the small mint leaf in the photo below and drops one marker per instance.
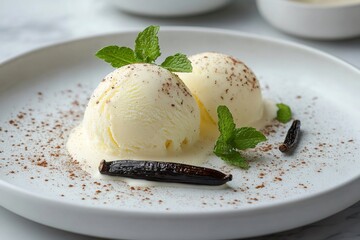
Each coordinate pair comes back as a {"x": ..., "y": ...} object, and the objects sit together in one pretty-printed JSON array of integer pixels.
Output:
[
  {"x": 225, "y": 123},
  {"x": 147, "y": 47},
  {"x": 228, "y": 154},
  {"x": 222, "y": 148},
  {"x": 284, "y": 114},
  {"x": 117, "y": 56},
  {"x": 235, "y": 158},
  {"x": 177, "y": 63},
  {"x": 247, "y": 137}
]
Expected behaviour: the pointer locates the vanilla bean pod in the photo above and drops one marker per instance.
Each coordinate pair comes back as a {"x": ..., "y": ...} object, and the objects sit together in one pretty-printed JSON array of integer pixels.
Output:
[
  {"x": 164, "y": 172},
  {"x": 292, "y": 136}
]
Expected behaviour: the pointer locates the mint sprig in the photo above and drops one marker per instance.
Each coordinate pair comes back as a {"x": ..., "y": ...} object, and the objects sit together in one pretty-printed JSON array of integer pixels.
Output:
[
  {"x": 232, "y": 139},
  {"x": 147, "y": 50},
  {"x": 283, "y": 114}
]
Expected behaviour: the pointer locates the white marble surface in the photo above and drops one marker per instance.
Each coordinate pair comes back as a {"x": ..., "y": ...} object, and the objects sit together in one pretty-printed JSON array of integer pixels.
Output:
[{"x": 27, "y": 25}]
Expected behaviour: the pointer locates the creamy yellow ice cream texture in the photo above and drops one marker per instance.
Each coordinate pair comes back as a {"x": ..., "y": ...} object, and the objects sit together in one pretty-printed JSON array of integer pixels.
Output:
[
  {"x": 220, "y": 79},
  {"x": 141, "y": 109}
]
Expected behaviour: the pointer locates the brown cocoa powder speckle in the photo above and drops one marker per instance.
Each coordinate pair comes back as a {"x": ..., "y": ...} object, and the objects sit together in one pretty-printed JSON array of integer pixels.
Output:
[
  {"x": 42, "y": 163},
  {"x": 277, "y": 179}
]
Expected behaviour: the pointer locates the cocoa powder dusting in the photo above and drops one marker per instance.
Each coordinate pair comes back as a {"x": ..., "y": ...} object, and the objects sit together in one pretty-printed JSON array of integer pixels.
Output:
[{"x": 38, "y": 139}]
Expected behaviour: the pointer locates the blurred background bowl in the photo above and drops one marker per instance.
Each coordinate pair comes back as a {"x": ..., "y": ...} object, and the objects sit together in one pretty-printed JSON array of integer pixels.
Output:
[
  {"x": 169, "y": 8},
  {"x": 326, "y": 20}
]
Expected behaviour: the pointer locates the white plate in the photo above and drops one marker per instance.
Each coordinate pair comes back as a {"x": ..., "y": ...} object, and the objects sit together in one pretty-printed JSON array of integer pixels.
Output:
[{"x": 279, "y": 192}]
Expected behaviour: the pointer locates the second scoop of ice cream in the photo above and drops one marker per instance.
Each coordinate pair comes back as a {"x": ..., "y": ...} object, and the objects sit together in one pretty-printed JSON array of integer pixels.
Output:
[
  {"x": 220, "y": 79},
  {"x": 141, "y": 110}
]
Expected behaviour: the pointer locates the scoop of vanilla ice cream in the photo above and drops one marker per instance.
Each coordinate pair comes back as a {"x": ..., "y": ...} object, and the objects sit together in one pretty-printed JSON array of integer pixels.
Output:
[
  {"x": 141, "y": 110},
  {"x": 219, "y": 79}
]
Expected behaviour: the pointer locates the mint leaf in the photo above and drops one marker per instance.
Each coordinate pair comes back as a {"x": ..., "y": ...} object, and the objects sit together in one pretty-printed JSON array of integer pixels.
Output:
[
  {"x": 235, "y": 158},
  {"x": 117, "y": 56},
  {"x": 177, "y": 63},
  {"x": 222, "y": 148},
  {"x": 147, "y": 47},
  {"x": 247, "y": 137},
  {"x": 225, "y": 123},
  {"x": 284, "y": 114},
  {"x": 228, "y": 154},
  {"x": 233, "y": 139}
]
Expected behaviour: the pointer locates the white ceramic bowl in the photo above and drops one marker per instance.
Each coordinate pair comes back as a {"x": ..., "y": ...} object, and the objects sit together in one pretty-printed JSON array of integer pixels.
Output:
[
  {"x": 169, "y": 8},
  {"x": 310, "y": 20}
]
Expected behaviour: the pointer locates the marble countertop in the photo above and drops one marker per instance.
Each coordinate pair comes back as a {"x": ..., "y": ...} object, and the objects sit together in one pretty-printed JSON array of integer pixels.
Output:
[{"x": 27, "y": 25}]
